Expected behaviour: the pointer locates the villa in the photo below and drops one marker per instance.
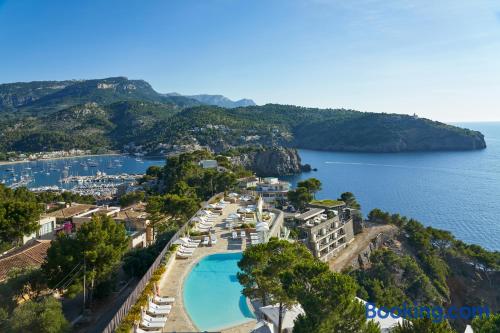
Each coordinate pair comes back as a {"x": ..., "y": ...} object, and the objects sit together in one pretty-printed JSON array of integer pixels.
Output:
[
  {"x": 46, "y": 230},
  {"x": 271, "y": 189},
  {"x": 326, "y": 230}
]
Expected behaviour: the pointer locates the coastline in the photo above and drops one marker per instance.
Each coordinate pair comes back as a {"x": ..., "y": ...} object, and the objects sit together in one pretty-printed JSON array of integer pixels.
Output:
[{"x": 58, "y": 158}]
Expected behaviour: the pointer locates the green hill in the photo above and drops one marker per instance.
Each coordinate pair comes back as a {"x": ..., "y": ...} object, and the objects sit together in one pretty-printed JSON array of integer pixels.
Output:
[{"x": 113, "y": 112}]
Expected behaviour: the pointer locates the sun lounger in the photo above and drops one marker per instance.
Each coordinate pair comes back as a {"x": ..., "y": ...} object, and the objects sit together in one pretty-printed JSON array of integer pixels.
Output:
[
  {"x": 182, "y": 255},
  {"x": 158, "y": 312},
  {"x": 254, "y": 234},
  {"x": 140, "y": 330},
  {"x": 235, "y": 235},
  {"x": 254, "y": 241},
  {"x": 155, "y": 306},
  {"x": 154, "y": 319},
  {"x": 213, "y": 239},
  {"x": 254, "y": 237},
  {"x": 185, "y": 250},
  {"x": 206, "y": 240},
  {"x": 149, "y": 324},
  {"x": 197, "y": 241},
  {"x": 161, "y": 299},
  {"x": 242, "y": 234}
]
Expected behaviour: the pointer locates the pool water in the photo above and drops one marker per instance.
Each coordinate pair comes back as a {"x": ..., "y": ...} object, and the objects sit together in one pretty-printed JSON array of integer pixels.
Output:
[{"x": 212, "y": 293}]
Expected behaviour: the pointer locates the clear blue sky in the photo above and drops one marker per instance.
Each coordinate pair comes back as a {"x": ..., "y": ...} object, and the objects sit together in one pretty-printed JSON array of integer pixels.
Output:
[{"x": 440, "y": 59}]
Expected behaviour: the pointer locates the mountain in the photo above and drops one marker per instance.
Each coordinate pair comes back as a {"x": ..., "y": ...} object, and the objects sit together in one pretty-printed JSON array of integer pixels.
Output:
[
  {"x": 111, "y": 113},
  {"x": 49, "y": 96},
  {"x": 218, "y": 100}
]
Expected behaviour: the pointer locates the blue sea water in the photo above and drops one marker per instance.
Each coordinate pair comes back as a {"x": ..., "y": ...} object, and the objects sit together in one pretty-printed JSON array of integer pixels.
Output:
[
  {"x": 212, "y": 293},
  {"x": 456, "y": 191},
  {"x": 49, "y": 172}
]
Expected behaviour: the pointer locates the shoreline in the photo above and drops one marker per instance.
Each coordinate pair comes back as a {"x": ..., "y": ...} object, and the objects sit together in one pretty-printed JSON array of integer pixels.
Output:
[{"x": 58, "y": 158}]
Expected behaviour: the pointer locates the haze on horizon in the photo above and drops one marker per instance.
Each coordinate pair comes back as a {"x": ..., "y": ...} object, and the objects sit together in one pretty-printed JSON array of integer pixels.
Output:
[{"x": 437, "y": 59}]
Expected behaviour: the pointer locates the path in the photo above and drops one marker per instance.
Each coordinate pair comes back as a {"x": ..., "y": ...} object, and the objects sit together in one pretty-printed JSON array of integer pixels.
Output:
[{"x": 359, "y": 244}]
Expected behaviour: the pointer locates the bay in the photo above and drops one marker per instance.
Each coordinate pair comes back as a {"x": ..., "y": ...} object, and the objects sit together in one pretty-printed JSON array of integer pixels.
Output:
[{"x": 456, "y": 191}]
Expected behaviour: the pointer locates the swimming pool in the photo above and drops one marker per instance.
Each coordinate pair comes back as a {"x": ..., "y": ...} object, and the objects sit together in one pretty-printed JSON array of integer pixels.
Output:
[{"x": 212, "y": 293}]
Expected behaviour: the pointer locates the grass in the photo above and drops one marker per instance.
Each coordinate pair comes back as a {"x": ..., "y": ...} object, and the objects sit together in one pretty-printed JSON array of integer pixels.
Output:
[{"x": 327, "y": 202}]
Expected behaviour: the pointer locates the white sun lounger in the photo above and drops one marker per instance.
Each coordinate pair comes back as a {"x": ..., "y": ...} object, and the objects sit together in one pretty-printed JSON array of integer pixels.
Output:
[
  {"x": 206, "y": 240},
  {"x": 186, "y": 250},
  {"x": 254, "y": 234},
  {"x": 153, "y": 305},
  {"x": 154, "y": 319},
  {"x": 149, "y": 324},
  {"x": 158, "y": 312},
  {"x": 140, "y": 330},
  {"x": 161, "y": 299},
  {"x": 242, "y": 234},
  {"x": 197, "y": 241},
  {"x": 235, "y": 235},
  {"x": 184, "y": 255},
  {"x": 214, "y": 239}
]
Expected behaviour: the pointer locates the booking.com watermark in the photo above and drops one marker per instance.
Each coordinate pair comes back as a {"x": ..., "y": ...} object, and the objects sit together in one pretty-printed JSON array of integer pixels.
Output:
[{"x": 435, "y": 313}]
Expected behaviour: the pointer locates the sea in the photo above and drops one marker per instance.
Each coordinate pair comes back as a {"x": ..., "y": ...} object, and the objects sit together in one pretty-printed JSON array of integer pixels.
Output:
[{"x": 456, "y": 191}]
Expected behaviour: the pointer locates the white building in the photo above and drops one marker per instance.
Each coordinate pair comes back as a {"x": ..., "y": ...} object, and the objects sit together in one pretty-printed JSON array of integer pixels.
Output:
[
  {"x": 208, "y": 164},
  {"x": 46, "y": 231},
  {"x": 272, "y": 189}
]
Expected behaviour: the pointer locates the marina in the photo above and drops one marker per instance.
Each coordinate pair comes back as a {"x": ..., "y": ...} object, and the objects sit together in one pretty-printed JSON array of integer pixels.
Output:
[{"x": 100, "y": 176}]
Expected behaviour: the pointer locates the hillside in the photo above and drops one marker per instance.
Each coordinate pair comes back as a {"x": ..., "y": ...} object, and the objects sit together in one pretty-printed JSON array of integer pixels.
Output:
[{"x": 113, "y": 112}]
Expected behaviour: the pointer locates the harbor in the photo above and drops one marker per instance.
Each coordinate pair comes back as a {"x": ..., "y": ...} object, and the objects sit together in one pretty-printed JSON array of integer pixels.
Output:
[{"x": 100, "y": 176}]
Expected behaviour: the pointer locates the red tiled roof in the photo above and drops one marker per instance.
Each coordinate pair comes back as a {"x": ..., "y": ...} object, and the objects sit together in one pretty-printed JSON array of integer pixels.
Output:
[{"x": 29, "y": 255}]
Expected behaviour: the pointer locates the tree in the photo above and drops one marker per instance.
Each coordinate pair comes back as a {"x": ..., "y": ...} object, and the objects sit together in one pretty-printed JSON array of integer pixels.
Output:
[
  {"x": 131, "y": 198},
  {"x": 424, "y": 325},
  {"x": 19, "y": 214},
  {"x": 97, "y": 248},
  {"x": 45, "y": 316},
  {"x": 299, "y": 197},
  {"x": 328, "y": 300},
  {"x": 350, "y": 200},
  {"x": 262, "y": 267},
  {"x": 312, "y": 185},
  {"x": 179, "y": 207},
  {"x": 489, "y": 324}
]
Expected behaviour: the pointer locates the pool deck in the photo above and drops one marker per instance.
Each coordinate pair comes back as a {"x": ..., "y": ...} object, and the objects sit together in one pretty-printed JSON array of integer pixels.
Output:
[{"x": 173, "y": 281}]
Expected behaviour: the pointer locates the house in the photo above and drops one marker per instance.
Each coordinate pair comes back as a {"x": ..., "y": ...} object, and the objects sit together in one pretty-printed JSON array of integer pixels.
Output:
[
  {"x": 272, "y": 189},
  {"x": 86, "y": 216},
  {"x": 46, "y": 230},
  {"x": 31, "y": 254},
  {"x": 136, "y": 221},
  {"x": 67, "y": 213},
  {"x": 326, "y": 231},
  {"x": 248, "y": 183},
  {"x": 208, "y": 164}
]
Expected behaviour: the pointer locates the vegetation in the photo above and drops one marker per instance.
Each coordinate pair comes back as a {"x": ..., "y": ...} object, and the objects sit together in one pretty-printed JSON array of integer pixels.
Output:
[
  {"x": 486, "y": 325},
  {"x": 284, "y": 273},
  {"x": 424, "y": 325},
  {"x": 132, "y": 198},
  {"x": 328, "y": 202},
  {"x": 109, "y": 113},
  {"x": 44, "y": 316},
  {"x": 97, "y": 248},
  {"x": 304, "y": 193},
  {"x": 312, "y": 185},
  {"x": 19, "y": 214}
]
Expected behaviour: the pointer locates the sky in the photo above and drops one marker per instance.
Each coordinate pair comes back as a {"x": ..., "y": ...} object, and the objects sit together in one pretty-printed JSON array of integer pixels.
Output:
[{"x": 438, "y": 59}]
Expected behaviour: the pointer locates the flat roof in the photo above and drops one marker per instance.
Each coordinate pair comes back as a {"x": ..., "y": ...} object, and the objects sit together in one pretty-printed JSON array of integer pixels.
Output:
[{"x": 310, "y": 214}]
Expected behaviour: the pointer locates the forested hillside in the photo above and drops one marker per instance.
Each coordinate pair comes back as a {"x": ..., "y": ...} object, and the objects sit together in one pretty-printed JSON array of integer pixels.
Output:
[{"x": 110, "y": 113}]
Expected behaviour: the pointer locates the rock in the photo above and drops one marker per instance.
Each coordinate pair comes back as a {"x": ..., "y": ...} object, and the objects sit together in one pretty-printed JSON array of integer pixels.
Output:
[{"x": 275, "y": 161}]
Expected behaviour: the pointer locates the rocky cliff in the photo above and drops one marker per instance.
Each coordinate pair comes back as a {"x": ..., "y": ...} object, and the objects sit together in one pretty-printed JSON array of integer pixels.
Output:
[{"x": 276, "y": 161}]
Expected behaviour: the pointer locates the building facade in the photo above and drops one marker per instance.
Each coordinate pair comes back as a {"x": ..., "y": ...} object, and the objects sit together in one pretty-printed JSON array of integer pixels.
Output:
[
  {"x": 272, "y": 189},
  {"x": 326, "y": 231}
]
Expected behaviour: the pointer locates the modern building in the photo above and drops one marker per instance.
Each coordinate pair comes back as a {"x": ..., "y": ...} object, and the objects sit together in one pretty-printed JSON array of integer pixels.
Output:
[
  {"x": 272, "y": 189},
  {"x": 208, "y": 164},
  {"x": 46, "y": 230},
  {"x": 326, "y": 231}
]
